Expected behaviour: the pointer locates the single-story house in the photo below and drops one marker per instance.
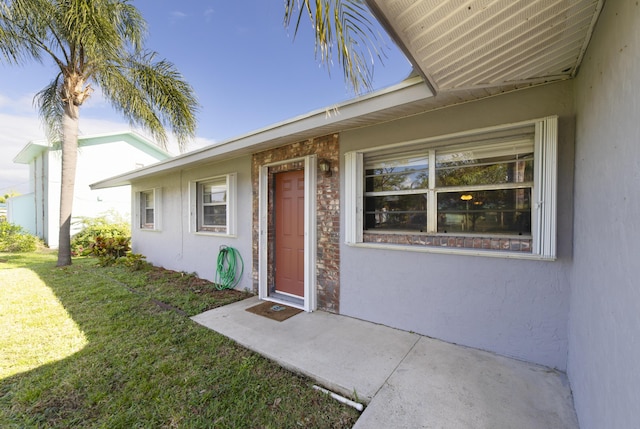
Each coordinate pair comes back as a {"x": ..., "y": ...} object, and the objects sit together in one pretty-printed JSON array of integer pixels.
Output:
[
  {"x": 491, "y": 200},
  {"x": 100, "y": 156}
]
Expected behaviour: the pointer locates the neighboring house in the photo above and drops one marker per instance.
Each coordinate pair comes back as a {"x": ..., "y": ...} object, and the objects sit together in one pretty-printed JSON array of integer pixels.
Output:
[
  {"x": 493, "y": 206},
  {"x": 99, "y": 157}
]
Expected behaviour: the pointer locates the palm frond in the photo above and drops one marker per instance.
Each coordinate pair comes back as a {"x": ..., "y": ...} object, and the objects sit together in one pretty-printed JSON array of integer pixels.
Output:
[
  {"x": 343, "y": 29},
  {"x": 51, "y": 109},
  {"x": 151, "y": 94},
  {"x": 23, "y": 34}
]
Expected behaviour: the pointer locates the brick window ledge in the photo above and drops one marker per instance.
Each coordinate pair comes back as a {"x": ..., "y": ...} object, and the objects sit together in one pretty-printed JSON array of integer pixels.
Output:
[{"x": 504, "y": 243}]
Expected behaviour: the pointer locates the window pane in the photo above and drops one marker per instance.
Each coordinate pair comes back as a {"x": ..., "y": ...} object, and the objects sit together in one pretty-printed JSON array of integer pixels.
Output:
[
  {"x": 397, "y": 174},
  {"x": 505, "y": 211},
  {"x": 148, "y": 199},
  {"x": 493, "y": 164},
  {"x": 146, "y": 209},
  {"x": 148, "y": 218},
  {"x": 215, "y": 215},
  {"x": 214, "y": 194},
  {"x": 396, "y": 212}
]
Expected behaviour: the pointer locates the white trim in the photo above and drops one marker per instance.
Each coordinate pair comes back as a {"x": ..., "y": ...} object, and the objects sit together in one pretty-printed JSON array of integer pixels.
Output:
[
  {"x": 354, "y": 192},
  {"x": 310, "y": 228},
  {"x": 546, "y": 151},
  {"x": 310, "y": 237},
  {"x": 157, "y": 209},
  {"x": 232, "y": 204},
  {"x": 263, "y": 231}
]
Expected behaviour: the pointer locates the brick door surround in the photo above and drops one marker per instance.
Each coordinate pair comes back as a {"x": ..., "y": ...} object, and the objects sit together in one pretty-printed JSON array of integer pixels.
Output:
[{"x": 328, "y": 213}]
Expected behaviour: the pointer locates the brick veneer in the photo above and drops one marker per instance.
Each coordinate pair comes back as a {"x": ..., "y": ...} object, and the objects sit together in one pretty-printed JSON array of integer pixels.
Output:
[
  {"x": 492, "y": 243},
  {"x": 327, "y": 207}
]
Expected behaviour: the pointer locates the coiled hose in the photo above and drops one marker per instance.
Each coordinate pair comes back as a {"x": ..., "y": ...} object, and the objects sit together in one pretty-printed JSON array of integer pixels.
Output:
[{"x": 227, "y": 265}]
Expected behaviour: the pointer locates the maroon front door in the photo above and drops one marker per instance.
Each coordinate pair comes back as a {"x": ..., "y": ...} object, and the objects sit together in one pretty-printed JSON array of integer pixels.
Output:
[{"x": 289, "y": 233}]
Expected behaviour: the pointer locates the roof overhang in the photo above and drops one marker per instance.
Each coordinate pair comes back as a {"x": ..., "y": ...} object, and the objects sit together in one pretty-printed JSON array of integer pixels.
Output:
[
  {"x": 30, "y": 151},
  {"x": 36, "y": 147},
  {"x": 406, "y": 98},
  {"x": 476, "y": 45}
]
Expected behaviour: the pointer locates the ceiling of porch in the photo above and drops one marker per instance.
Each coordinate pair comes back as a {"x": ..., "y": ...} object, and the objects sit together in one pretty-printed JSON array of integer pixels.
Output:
[{"x": 480, "y": 46}]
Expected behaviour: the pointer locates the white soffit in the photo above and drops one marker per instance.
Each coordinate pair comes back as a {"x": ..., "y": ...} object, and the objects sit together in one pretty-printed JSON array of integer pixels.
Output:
[{"x": 470, "y": 44}]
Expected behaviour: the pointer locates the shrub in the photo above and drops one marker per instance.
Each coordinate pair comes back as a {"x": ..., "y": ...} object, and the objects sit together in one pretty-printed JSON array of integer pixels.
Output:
[
  {"x": 109, "y": 249},
  {"x": 105, "y": 227},
  {"x": 134, "y": 261},
  {"x": 13, "y": 238}
]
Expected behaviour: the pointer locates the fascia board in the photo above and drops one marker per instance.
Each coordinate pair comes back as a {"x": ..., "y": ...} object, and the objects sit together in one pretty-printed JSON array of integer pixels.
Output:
[
  {"x": 30, "y": 151},
  {"x": 328, "y": 120},
  {"x": 36, "y": 147}
]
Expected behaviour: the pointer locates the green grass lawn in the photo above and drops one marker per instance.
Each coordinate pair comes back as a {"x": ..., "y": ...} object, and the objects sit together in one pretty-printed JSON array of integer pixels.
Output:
[{"x": 84, "y": 346}]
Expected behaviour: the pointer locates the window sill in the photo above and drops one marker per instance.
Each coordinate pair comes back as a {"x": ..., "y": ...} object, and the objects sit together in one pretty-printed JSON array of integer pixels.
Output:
[
  {"x": 453, "y": 251},
  {"x": 214, "y": 234}
]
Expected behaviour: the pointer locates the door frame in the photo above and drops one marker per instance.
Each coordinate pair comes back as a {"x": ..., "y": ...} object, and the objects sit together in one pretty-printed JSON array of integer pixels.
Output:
[{"x": 310, "y": 235}]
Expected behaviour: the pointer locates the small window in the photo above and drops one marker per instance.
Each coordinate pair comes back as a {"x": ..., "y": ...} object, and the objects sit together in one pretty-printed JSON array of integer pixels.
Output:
[
  {"x": 491, "y": 190},
  {"x": 213, "y": 205},
  {"x": 148, "y": 215}
]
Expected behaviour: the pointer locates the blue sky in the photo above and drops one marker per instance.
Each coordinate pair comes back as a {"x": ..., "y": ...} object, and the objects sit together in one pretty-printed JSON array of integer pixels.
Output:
[{"x": 245, "y": 67}]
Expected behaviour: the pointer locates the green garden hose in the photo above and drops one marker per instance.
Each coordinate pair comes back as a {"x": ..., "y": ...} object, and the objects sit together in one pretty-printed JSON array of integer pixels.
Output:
[{"x": 227, "y": 276}]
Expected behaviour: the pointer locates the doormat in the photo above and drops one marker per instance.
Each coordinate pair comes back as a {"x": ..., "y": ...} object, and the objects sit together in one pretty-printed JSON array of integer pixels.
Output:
[{"x": 274, "y": 311}]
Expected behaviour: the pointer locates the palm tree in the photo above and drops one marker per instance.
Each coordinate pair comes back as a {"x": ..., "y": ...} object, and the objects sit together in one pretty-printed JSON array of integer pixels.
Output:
[
  {"x": 94, "y": 43},
  {"x": 346, "y": 25}
]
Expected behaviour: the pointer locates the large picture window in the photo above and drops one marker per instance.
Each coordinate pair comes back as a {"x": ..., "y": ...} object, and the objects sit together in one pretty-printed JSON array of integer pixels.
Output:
[
  {"x": 476, "y": 189},
  {"x": 490, "y": 189},
  {"x": 213, "y": 201}
]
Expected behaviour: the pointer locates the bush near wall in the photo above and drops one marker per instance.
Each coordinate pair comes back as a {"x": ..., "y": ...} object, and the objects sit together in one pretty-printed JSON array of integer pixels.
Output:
[
  {"x": 13, "y": 238},
  {"x": 104, "y": 227}
]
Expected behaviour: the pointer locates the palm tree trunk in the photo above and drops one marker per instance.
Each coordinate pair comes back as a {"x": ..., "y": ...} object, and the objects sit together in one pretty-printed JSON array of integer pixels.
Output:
[{"x": 68, "y": 179}]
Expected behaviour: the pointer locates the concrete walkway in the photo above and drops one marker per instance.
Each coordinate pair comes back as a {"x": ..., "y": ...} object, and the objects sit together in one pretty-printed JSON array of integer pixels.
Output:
[{"x": 406, "y": 380}]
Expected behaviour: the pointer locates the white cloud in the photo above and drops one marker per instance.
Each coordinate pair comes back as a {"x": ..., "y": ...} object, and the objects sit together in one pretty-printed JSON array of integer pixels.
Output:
[
  {"x": 4, "y": 101},
  {"x": 208, "y": 14},
  {"x": 22, "y": 104},
  {"x": 177, "y": 15}
]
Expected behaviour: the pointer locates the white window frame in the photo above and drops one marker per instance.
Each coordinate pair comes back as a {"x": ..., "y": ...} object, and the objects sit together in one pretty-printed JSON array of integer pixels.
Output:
[
  {"x": 157, "y": 203},
  {"x": 544, "y": 191},
  {"x": 196, "y": 210}
]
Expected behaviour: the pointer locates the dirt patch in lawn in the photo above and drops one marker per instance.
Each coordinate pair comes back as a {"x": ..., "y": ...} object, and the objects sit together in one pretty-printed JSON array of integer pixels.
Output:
[{"x": 190, "y": 284}]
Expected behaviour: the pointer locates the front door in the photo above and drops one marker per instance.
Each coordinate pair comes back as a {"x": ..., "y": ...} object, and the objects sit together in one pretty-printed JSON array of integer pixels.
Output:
[{"x": 289, "y": 233}]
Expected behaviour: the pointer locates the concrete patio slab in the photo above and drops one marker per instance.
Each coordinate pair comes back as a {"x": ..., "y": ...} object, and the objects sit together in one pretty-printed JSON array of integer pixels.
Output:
[
  {"x": 441, "y": 385},
  {"x": 407, "y": 380},
  {"x": 345, "y": 355}
]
